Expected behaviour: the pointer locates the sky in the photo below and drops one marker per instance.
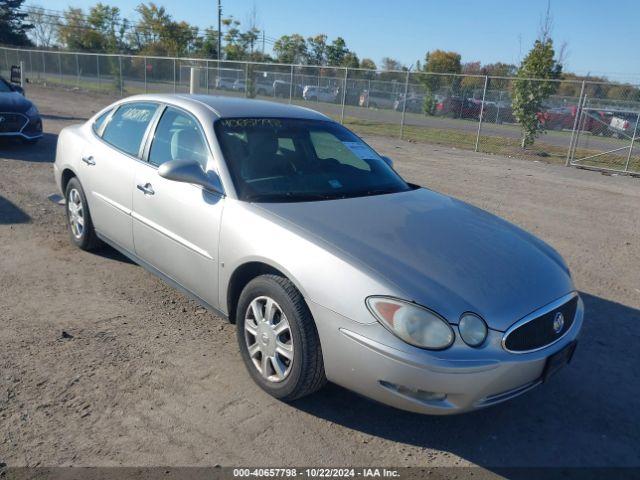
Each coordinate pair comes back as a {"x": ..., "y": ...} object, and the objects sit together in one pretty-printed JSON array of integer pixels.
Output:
[{"x": 600, "y": 39}]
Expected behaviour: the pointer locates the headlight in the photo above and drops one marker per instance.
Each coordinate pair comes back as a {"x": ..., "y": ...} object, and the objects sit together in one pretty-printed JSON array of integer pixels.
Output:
[
  {"x": 32, "y": 112},
  {"x": 473, "y": 330},
  {"x": 415, "y": 325}
]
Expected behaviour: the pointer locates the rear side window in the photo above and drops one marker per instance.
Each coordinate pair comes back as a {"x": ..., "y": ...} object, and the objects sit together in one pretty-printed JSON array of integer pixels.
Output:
[
  {"x": 97, "y": 125},
  {"x": 178, "y": 137},
  {"x": 128, "y": 125}
]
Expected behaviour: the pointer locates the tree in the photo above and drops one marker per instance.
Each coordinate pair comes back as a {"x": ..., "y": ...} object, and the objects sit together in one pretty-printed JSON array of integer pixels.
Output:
[
  {"x": 290, "y": 49},
  {"x": 13, "y": 24},
  {"x": 336, "y": 52},
  {"x": 207, "y": 45},
  {"x": 391, "y": 64},
  {"x": 350, "y": 60},
  {"x": 368, "y": 64},
  {"x": 44, "y": 31},
  {"x": 440, "y": 61},
  {"x": 317, "y": 50},
  {"x": 156, "y": 33},
  {"x": 529, "y": 92},
  {"x": 101, "y": 30}
]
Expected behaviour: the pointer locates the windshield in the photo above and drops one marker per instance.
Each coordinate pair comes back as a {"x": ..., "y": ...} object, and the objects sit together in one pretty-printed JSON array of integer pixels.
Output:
[{"x": 288, "y": 160}]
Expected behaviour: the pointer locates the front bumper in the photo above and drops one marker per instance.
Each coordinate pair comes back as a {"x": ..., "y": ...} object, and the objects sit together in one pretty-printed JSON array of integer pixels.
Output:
[
  {"x": 29, "y": 128},
  {"x": 369, "y": 360}
]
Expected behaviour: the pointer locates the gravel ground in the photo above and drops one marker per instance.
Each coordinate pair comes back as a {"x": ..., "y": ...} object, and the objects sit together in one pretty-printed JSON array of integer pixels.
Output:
[{"x": 102, "y": 364}]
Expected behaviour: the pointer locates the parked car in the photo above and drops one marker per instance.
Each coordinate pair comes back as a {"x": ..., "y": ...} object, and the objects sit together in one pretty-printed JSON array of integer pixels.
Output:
[
  {"x": 239, "y": 85},
  {"x": 415, "y": 104},
  {"x": 264, "y": 87},
  {"x": 558, "y": 118},
  {"x": 224, "y": 83},
  {"x": 284, "y": 89},
  {"x": 377, "y": 99},
  {"x": 313, "y": 93},
  {"x": 19, "y": 117},
  {"x": 331, "y": 266},
  {"x": 623, "y": 124}
]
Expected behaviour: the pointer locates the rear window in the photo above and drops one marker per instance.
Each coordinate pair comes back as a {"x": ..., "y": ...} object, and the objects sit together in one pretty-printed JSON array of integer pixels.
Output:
[
  {"x": 97, "y": 125},
  {"x": 128, "y": 126}
]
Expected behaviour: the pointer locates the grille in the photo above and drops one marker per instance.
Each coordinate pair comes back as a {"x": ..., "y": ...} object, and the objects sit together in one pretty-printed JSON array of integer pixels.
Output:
[
  {"x": 12, "y": 122},
  {"x": 540, "y": 332}
]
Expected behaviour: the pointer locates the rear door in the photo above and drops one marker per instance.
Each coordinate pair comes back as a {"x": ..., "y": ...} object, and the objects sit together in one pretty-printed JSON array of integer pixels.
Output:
[
  {"x": 108, "y": 172},
  {"x": 176, "y": 225}
]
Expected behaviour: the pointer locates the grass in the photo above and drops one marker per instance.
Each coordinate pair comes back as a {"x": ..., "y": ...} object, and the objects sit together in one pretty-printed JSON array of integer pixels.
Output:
[{"x": 506, "y": 146}]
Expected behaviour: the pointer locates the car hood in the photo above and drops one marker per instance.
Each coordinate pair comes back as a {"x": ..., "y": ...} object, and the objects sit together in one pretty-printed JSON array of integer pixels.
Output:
[
  {"x": 438, "y": 251},
  {"x": 14, "y": 102}
]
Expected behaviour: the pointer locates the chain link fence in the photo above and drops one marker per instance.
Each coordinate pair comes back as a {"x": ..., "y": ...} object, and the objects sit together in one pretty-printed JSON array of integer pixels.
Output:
[{"x": 588, "y": 124}]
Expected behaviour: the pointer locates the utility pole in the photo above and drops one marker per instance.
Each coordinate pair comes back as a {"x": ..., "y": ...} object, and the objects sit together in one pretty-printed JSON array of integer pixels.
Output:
[
  {"x": 263, "y": 34},
  {"x": 219, "y": 31}
]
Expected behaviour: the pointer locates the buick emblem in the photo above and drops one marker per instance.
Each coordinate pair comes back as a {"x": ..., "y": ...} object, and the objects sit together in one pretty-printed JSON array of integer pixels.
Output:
[{"x": 558, "y": 322}]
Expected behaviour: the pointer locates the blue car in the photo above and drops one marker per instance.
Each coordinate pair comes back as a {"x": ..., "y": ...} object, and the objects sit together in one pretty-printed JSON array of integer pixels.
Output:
[{"x": 19, "y": 117}]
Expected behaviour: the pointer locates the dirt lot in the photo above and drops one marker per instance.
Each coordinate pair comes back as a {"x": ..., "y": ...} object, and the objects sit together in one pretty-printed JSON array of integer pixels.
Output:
[{"x": 143, "y": 376}]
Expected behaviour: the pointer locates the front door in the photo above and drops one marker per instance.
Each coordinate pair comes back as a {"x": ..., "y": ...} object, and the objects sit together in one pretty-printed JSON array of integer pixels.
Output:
[{"x": 176, "y": 225}]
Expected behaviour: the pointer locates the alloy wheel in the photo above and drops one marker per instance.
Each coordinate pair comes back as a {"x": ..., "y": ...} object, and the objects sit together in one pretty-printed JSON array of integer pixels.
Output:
[{"x": 268, "y": 337}]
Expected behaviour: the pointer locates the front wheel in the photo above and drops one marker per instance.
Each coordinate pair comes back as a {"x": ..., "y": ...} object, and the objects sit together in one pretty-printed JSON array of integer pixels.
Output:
[
  {"x": 278, "y": 339},
  {"x": 79, "y": 221}
]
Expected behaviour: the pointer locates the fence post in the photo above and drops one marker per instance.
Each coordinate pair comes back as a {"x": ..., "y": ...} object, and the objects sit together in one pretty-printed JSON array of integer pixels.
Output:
[
  {"x": 174, "y": 76},
  {"x": 291, "y": 85},
  {"x": 44, "y": 67},
  {"x": 98, "y": 69},
  {"x": 246, "y": 79},
  {"x": 77, "y": 71},
  {"x": 207, "y": 75},
  {"x": 484, "y": 93},
  {"x": 344, "y": 94},
  {"x": 22, "y": 72},
  {"x": 581, "y": 122},
  {"x": 633, "y": 140},
  {"x": 404, "y": 103},
  {"x": 121, "y": 77},
  {"x": 145, "y": 74},
  {"x": 575, "y": 125},
  {"x": 60, "y": 67},
  {"x": 30, "y": 65}
]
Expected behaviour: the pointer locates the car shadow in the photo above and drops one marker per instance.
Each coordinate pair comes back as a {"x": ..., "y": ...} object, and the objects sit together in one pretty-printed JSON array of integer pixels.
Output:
[
  {"x": 42, "y": 152},
  {"x": 586, "y": 415},
  {"x": 10, "y": 213},
  {"x": 110, "y": 253}
]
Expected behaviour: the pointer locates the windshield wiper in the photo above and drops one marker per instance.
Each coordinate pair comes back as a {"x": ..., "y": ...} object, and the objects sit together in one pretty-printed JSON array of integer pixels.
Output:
[{"x": 288, "y": 197}]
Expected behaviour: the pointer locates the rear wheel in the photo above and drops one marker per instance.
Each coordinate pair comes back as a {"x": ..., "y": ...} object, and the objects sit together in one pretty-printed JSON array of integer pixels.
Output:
[
  {"x": 79, "y": 221},
  {"x": 278, "y": 339}
]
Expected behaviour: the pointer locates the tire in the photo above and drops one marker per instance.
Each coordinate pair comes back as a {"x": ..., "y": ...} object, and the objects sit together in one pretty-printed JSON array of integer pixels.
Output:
[
  {"x": 304, "y": 373},
  {"x": 84, "y": 238}
]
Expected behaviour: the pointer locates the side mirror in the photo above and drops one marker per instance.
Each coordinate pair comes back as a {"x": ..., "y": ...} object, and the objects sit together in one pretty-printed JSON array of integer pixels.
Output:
[
  {"x": 190, "y": 171},
  {"x": 388, "y": 161}
]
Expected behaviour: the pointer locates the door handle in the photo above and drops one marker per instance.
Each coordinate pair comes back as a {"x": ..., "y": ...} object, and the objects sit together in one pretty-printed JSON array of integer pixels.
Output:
[
  {"x": 89, "y": 160},
  {"x": 146, "y": 189}
]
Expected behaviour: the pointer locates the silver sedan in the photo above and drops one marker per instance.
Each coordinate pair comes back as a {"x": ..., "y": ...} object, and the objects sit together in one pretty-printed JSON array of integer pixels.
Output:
[{"x": 330, "y": 264}]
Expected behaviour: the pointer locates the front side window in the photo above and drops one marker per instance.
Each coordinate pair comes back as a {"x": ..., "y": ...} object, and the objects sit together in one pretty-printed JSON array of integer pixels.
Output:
[
  {"x": 128, "y": 126},
  {"x": 280, "y": 160},
  {"x": 177, "y": 137}
]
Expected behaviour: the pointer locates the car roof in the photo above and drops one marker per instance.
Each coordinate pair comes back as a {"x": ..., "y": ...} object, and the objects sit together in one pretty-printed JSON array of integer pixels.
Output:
[{"x": 235, "y": 107}]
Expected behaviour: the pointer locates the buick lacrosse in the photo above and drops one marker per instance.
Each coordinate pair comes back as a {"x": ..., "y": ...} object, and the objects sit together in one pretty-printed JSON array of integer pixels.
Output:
[{"x": 330, "y": 264}]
